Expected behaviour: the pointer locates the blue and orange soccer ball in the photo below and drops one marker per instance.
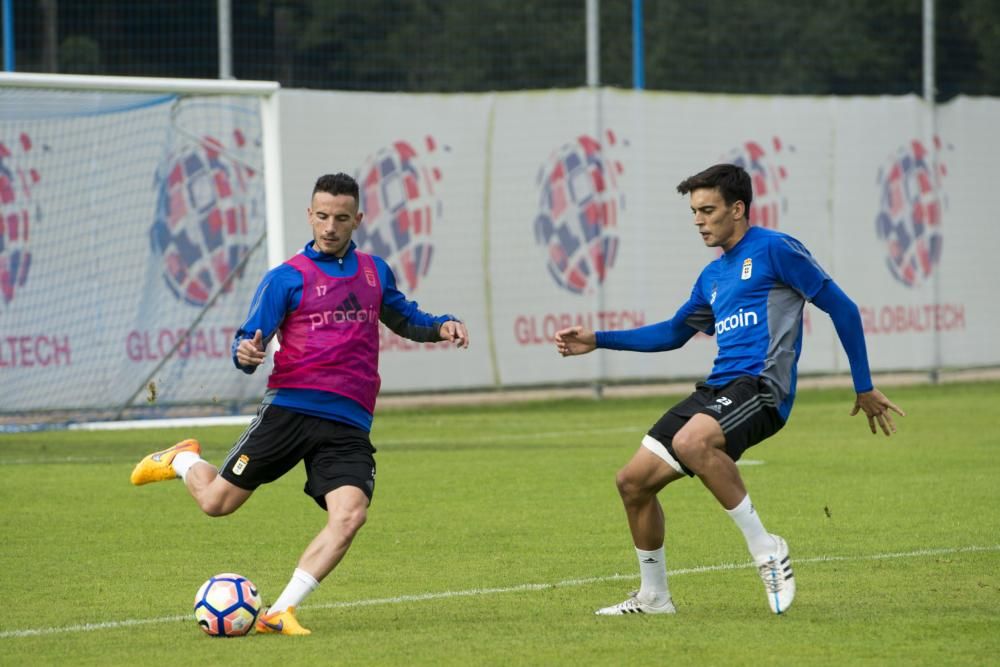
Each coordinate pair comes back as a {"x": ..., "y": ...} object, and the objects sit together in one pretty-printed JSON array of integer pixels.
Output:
[{"x": 227, "y": 605}]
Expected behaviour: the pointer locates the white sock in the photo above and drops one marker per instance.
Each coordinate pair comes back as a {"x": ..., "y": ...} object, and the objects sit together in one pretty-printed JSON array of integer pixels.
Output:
[
  {"x": 653, "y": 570},
  {"x": 183, "y": 461},
  {"x": 299, "y": 586},
  {"x": 759, "y": 541}
]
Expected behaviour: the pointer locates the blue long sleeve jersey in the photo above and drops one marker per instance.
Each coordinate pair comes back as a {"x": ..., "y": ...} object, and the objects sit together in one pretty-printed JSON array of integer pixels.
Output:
[
  {"x": 280, "y": 292},
  {"x": 752, "y": 298}
]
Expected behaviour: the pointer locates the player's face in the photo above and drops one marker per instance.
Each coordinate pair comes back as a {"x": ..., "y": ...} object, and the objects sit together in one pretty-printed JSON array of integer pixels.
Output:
[
  {"x": 720, "y": 226},
  {"x": 333, "y": 219}
]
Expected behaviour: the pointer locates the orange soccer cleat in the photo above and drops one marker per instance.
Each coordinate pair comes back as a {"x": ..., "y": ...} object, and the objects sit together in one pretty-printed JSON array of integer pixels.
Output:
[
  {"x": 281, "y": 622},
  {"x": 158, "y": 466}
]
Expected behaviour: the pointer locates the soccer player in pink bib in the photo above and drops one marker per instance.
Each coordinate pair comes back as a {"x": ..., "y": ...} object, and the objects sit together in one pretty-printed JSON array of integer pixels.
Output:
[{"x": 324, "y": 305}]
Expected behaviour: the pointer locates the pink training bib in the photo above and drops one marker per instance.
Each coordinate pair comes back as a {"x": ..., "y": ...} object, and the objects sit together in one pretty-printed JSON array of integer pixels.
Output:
[{"x": 330, "y": 342}]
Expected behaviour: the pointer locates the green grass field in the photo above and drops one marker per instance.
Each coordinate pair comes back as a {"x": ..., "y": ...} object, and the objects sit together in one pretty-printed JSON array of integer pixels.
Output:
[{"x": 496, "y": 531}]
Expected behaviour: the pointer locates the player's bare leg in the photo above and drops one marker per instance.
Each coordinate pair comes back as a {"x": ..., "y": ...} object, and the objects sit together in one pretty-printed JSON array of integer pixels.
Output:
[
  {"x": 700, "y": 445},
  {"x": 347, "y": 511},
  {"x": 638, "y": 483},
  {"x": 215, "y": 496}
]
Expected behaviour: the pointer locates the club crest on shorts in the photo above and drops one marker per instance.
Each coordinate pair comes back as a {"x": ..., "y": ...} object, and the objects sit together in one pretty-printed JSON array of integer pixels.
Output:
[
  {"x": 241, "y": 464},
  {"x": 747, "y": 269}
]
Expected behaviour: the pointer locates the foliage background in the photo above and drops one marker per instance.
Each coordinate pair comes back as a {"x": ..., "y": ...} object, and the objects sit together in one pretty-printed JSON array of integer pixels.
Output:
[{"x": 839, "y": 47}]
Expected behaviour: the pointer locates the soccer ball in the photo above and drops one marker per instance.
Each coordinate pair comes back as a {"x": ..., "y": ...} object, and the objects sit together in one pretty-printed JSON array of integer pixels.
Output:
[{"x": 227, "y": 605}]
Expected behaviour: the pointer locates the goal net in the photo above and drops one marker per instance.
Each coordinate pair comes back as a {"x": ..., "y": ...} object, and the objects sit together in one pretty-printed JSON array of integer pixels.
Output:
[{"x": 133, "y": 217}]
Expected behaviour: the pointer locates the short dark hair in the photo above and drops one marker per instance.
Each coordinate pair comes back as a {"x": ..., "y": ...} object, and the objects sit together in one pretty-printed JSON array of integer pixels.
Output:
[
  {"x": 337, "y": 184},
  {"x": 733, "y": 183}
]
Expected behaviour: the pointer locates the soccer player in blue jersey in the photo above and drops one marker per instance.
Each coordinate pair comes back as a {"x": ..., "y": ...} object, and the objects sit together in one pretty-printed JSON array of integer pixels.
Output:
[
  {"x": 325, "y": 305},
  {"x": 751, "y": 298}
]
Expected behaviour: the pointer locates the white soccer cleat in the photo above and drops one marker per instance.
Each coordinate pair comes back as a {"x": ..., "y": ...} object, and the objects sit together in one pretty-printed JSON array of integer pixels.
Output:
[
  {"x": 779, "y": 581},
  {"x": 633, "y": 605}
]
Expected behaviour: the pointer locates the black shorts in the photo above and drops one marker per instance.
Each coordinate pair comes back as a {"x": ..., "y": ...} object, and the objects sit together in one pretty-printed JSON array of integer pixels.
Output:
[
  {"x": 334, "y": 454},
  {"x": 745, "y": 409}
]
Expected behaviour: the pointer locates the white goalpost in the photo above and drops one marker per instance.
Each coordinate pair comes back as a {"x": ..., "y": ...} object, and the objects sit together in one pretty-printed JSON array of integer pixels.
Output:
[{"x": 136, "y": 216}]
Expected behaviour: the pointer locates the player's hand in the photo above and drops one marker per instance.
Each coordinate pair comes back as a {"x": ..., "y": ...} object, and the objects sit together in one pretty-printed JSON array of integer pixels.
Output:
[
  {"x": 575, "y": 340},
  {"x": 877, "y": 407},
  {"x": 250, "y": 351},
  {"x": 455, "y": 332}
]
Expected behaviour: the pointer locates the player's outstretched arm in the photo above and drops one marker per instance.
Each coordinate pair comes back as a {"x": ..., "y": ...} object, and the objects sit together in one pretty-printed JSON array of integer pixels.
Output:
[
  {"x": 575, "y": 340},
  {"x": 877, "y": 407},
  {"x": 455, "y": 332}
]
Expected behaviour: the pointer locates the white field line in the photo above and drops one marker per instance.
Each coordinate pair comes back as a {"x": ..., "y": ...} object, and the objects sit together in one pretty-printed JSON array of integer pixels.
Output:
[
  {"x": 507, "y": 437},
  {"x": 62, "y": 459},
  {"x": 476, "y": 592},
  {"x": 496, "y": 437}
]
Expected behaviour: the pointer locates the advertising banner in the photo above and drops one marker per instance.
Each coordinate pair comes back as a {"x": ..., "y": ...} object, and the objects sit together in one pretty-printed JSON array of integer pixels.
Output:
[
  {"x": 122, "y": 217},
  {"x": 129, "y": 222},
  {"x": 559, "y": 208}
]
